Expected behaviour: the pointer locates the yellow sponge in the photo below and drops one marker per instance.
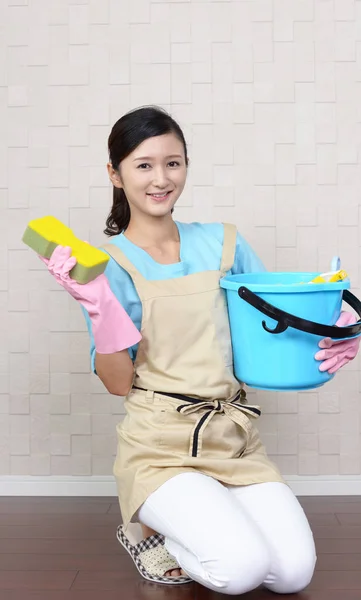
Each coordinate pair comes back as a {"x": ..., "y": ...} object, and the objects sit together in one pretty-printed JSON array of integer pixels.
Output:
[{"x": 45, "y": 234}]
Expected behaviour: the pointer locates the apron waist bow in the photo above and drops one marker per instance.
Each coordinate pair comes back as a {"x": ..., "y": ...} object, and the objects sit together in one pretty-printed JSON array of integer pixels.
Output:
[{"x": 233, "y": 409}]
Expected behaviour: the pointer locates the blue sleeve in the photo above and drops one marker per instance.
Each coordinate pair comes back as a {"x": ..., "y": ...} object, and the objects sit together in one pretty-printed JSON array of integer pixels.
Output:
[
  {"x": 245, "y": 259},
  {"x": 92, "y": 345},
  {"x": 122, "y": 287}
]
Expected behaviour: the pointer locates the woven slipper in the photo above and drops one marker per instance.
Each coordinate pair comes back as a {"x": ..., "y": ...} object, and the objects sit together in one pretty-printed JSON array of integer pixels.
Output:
[{"x": 151, "y": 558}]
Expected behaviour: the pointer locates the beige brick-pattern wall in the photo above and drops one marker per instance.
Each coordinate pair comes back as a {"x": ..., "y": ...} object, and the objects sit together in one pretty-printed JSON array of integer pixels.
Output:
[{"x": 269, "y": 94}]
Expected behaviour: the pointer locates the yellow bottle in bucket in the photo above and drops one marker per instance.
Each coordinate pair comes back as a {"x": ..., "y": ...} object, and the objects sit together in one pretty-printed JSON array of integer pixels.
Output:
[{"x": 330, "y": 277}]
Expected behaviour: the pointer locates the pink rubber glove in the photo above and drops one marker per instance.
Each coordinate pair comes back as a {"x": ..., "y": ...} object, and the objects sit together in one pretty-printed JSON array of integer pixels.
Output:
[
  {"x": 338, "y": 354},
  {"x": 112, "y": 328}
]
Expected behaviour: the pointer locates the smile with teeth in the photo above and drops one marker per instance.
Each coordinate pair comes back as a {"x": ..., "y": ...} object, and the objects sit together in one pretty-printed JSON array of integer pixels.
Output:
[{"x": 160, "y": 196}]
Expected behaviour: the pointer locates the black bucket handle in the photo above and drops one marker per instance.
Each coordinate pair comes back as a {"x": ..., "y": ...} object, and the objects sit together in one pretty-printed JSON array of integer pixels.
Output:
[{"x": 286, "y": 320}]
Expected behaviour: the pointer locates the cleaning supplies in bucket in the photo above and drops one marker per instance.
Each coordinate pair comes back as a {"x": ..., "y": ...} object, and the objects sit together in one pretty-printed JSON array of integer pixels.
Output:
[
  {"x": 330, "y": 277},
  {"x": 276, "y": 326}
]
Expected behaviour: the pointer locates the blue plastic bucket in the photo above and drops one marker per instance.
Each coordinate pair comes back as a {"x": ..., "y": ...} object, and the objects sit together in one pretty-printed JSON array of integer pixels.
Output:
[{"x": 277, "y": 321}]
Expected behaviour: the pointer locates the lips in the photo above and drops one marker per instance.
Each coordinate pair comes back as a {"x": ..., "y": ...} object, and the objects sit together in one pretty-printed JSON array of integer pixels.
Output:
[{"x": 159, "y": 197}]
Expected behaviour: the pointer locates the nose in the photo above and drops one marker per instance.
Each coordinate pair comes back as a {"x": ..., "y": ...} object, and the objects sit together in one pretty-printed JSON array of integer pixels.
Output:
[{"x": 160, "y": 178}]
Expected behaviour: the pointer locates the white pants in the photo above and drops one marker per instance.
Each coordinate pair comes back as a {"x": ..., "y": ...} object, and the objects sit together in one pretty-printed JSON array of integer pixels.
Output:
[{"x": 233, "y": 539}]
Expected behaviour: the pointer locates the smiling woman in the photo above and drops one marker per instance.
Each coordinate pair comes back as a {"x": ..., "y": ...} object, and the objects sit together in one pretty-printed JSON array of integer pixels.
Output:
[{"x": 188, "y": 447}]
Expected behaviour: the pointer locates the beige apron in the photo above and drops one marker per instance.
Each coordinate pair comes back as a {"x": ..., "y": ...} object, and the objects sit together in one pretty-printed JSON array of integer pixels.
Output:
[{"x": 206, "y": 424}]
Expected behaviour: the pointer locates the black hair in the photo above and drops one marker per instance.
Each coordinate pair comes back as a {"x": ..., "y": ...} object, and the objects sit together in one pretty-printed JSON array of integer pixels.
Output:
[{"x": 127, "y": 134}]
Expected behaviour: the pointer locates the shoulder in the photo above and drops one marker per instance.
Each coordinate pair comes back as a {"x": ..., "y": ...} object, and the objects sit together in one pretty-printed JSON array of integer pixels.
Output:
[
  {"x": 115, "y": 240},
  {"x": 118, "y": 242},
  {"x": 113, "y": 270},
  {"x": 211, "y": 235}
]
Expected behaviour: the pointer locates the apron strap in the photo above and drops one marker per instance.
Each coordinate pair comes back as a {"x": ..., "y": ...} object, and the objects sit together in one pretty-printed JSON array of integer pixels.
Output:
[
  {"x": 124, "y": 262},
  {"x": 229, "y": 246}
]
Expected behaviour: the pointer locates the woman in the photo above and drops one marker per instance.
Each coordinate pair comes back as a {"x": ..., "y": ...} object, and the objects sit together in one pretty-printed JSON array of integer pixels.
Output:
[{"x": 190, "y": 463}]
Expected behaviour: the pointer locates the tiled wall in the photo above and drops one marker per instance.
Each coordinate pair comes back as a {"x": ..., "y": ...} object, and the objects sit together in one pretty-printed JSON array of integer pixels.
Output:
[{"x": 269, "y": 94}]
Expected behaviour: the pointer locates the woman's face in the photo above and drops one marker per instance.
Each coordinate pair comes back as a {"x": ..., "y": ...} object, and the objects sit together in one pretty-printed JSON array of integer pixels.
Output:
[{"x": 153, "y": 175}]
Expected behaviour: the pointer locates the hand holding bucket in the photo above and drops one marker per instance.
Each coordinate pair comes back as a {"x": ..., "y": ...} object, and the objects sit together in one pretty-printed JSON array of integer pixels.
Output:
[{"x": 337, "y": 354}]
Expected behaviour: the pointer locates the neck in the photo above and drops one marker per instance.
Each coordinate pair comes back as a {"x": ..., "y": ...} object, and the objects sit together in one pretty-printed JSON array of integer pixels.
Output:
[{"x": 148, "y": 231}]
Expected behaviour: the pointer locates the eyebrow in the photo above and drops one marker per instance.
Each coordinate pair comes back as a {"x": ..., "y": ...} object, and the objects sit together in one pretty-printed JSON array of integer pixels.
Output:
[{"x": 152, "y": 157}]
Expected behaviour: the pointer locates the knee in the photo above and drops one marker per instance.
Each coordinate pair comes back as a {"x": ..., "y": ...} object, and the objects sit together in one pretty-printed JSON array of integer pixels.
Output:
[
  {"x": 294, "y": 572},
  {"x": 246, "y": 573},
  {"x": 238, "y": 570}
]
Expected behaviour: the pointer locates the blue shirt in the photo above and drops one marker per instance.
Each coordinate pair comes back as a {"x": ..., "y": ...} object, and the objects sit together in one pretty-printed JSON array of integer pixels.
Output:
[{"x": 201, "y": 246}]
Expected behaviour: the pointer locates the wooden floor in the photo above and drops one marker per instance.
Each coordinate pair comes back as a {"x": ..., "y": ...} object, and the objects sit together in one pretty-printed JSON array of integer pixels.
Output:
[{"x": 65, "y": 549}]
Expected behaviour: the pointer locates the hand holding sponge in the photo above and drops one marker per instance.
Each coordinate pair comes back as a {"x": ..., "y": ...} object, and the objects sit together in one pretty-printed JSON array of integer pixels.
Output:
[
  {"x": 45, "y": 234},
  {"x": 112, "y": 328}
]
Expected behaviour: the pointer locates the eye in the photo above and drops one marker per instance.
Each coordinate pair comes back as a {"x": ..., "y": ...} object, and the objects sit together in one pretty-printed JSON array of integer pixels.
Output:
[
  {"x": 174, "y": 163},
  {"x": 143, "y": 166}
]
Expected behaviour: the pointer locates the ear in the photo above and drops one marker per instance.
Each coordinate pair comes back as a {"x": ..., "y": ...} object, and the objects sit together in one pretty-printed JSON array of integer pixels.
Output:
[{"x": 114, "y": 176}]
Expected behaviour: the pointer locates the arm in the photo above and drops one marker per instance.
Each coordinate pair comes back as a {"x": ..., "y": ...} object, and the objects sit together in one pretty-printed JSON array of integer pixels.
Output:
[
  {"x": 113, "y": 331},
  {"x": 115, "y": 371}
]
